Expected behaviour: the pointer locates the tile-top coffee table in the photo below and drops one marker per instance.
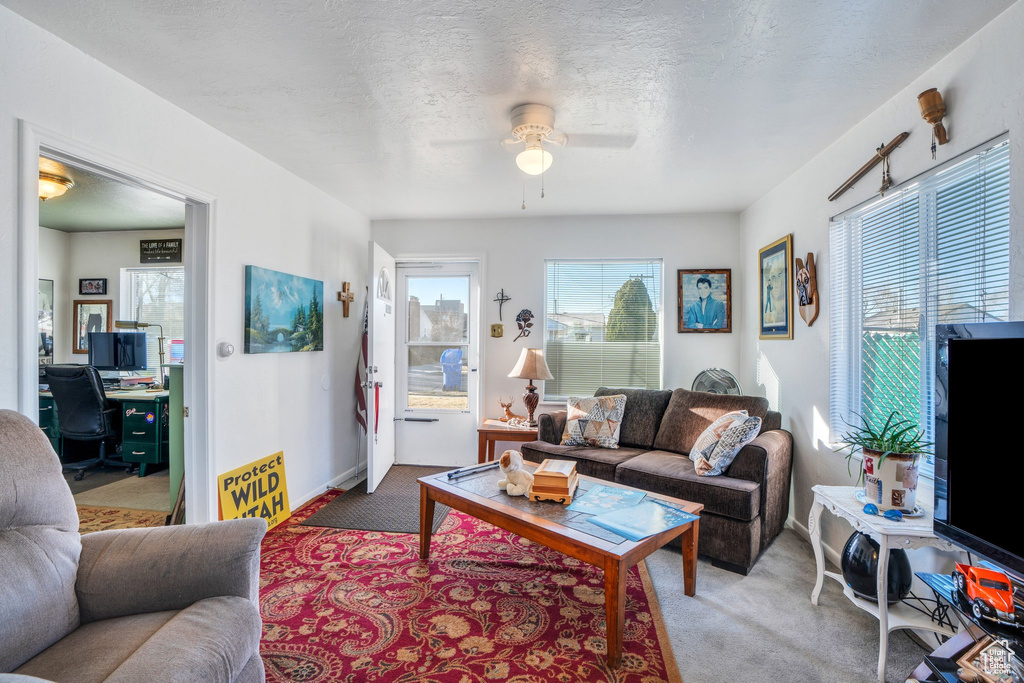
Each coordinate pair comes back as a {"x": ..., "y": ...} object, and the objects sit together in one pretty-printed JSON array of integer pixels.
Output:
[{"x": 554, "y": 526}]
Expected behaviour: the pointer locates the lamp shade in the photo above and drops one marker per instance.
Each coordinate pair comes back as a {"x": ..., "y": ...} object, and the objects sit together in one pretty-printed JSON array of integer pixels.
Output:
[
  {"x": 531, "y": 365},
  {"x": 533, "y": 160}
]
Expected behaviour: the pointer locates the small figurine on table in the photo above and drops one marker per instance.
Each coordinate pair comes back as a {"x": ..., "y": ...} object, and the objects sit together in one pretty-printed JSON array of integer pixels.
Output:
[{"x": 517, "y": 480}]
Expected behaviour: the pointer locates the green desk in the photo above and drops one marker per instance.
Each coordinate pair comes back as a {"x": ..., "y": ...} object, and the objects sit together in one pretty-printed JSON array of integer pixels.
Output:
[{"x": 144, "y": 425}]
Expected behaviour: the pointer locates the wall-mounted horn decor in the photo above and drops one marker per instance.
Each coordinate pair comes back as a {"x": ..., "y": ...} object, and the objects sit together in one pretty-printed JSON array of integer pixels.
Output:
[{"x": 933, "y": 109}]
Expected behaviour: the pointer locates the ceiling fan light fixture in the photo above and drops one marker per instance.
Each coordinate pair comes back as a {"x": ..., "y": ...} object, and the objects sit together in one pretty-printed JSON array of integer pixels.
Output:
[
  {"x": 534, "y": 160},
  {"x": 51, "y": 186}
]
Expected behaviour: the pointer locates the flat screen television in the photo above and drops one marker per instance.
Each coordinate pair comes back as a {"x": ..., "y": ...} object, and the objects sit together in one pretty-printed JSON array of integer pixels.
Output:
[
  {"x": 117, "y": 350},
  {"x": 979, "y": 368}
]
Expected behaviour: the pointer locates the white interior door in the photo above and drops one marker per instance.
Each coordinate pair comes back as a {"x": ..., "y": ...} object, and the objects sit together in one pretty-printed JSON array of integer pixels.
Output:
[
  {"x": 437, "y": 363},
  {"x": 380, "y": 375}
]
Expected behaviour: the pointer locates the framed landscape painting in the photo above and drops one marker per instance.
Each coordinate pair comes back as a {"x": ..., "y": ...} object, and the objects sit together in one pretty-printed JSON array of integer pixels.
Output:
[
  {"x": 775, "y": 269},
  {"x": 283, "y": 312},
  {"x": 705, "y": 300}
]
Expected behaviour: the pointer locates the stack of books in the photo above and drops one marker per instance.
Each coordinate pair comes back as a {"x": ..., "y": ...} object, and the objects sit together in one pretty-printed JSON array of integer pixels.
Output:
[{"x": 555, "y": 480}]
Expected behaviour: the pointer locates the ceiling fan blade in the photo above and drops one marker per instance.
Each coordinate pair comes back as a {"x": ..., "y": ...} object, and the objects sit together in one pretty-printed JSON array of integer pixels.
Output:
[
  {"x": 442, "y": 144},
  {"x": 624, "y": 141},
  {"x": 510, "y": 143}
]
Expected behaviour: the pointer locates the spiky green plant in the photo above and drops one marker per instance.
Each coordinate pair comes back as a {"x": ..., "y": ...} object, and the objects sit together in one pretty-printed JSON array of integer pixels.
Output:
[{"x": 896, "y": 437}]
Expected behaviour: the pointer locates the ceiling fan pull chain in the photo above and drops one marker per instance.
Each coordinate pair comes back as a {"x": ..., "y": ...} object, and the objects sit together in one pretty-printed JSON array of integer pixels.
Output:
[
  {"x": 542, "y": 169},
  {"x": 524, "y": 194}
]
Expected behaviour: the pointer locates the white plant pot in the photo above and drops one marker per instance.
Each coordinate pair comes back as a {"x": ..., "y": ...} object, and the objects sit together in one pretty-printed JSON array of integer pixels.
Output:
[{"x": 891, "y": 485}]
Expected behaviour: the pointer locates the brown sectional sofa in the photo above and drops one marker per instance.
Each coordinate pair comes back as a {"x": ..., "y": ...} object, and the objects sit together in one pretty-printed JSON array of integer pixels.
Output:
[{"x": 744, "y": 509}]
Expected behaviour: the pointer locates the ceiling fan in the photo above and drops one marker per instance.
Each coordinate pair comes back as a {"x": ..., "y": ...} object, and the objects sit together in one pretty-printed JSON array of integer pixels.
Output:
[{"x": 533, "y": 125}]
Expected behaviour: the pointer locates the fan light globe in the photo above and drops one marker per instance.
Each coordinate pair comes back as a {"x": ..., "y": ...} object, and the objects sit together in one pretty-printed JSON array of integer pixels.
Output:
[{"x": 534, "y": 160}]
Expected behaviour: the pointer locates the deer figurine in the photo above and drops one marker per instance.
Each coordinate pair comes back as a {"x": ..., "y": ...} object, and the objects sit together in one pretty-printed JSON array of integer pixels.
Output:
[{"x": 508, "y": 409}]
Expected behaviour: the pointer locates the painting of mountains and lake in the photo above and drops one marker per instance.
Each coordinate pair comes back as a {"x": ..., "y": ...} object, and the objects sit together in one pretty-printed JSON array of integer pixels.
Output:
[{"x": 283, "y": 312}]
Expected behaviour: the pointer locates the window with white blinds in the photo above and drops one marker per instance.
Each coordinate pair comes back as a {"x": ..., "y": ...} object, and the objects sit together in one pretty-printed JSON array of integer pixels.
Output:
[
  {"x": 156, "y": 296},
  {"x": 602, "y": 325},
  {"x": 934, "y": 251}
]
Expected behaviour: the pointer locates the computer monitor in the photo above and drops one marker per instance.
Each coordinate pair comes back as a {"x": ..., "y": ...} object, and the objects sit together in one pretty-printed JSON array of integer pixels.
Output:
[{"x": 117, "y": 350}]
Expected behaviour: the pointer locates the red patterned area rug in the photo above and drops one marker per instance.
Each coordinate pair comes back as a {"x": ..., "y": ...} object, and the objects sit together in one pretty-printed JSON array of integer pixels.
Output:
[
  {"x": 489, "y": 606},
  {"x": 94, "y": 518}
]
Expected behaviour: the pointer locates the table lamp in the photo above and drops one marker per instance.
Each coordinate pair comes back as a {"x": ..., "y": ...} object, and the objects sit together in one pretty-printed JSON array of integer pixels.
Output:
[{"x": 531, "y": 366}]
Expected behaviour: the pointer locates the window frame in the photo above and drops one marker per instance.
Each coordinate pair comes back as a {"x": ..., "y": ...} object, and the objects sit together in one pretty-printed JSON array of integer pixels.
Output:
[
  {"x": 846, "y": 316},
  {"x": 546, "y": 398},
  {"x": 126, "y": 308}
]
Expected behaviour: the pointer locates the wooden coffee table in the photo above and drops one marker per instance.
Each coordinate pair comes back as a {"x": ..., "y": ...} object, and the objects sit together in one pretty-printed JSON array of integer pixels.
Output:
[{"x": 553, "y": 526}]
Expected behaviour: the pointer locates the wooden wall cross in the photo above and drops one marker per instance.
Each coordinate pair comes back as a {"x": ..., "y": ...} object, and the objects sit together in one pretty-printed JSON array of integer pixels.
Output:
[{"x": 346, "y": 297}]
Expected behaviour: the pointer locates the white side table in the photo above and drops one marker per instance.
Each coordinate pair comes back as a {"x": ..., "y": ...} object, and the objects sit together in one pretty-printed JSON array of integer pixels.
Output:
[{"x": 912, "y": 532}]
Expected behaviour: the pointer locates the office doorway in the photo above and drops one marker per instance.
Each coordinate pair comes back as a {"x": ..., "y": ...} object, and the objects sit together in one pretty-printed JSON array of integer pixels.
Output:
[
  {"x": 125, "y": 273},
  {"x": 437, "y": 363}
]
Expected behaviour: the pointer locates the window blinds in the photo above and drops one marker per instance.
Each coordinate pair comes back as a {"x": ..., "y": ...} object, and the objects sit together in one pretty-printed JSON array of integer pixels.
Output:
[
  {"x": 157, "y": 295},
  {"x": 935, "y": 251},
  {"x": 602, "y": 325}
]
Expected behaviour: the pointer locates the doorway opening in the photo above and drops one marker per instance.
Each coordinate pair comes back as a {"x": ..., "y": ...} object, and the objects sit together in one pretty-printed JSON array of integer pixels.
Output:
[
  {"x": 91, "y": 260},
  {"x": 112, "y": 313}
]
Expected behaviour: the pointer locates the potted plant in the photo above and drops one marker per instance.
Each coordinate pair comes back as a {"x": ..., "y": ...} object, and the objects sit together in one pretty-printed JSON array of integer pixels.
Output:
[{"x": 890, "y": 454}]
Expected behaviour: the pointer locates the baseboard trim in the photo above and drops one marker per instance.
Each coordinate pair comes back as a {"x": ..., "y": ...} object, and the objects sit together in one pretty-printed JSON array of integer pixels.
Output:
[
  {"x": 351, "y": 472},
  {"x": 830, "y": 553}
]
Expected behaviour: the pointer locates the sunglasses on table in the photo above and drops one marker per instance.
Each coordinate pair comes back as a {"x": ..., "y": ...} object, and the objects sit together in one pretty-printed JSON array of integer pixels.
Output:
[{"x": 894, "y": 515}]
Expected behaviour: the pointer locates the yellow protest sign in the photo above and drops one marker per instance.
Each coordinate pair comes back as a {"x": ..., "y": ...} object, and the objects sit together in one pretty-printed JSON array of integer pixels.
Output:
[{"x": 256, "y": 490}]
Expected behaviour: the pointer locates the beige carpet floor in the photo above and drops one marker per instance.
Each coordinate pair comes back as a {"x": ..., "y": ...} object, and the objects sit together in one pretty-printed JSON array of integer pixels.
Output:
[{"x": 138, "y": 493}]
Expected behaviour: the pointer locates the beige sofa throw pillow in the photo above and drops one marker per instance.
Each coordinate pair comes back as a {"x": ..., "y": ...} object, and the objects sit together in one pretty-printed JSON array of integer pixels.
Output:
[
  {"x": 705, "y": 443},
  {"x": 594, "y": 421}
]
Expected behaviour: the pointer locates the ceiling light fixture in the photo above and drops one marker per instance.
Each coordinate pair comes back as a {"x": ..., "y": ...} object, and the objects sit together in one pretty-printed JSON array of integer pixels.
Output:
[
  {"x": 51, "y": 186},
  {"x": 534, "y": 160}
]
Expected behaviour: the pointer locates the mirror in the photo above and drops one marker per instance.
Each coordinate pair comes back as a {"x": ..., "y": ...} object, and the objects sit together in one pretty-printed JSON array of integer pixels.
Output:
[
  {"x": 45, "y": 322},
  {"x": 90, "y": 316}
]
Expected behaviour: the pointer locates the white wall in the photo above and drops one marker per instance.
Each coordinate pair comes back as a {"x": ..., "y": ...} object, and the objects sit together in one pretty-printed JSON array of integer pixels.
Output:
[
  {"x": 982, "y": 85},
  {"x": 53, "y": 265},
  {"x": 302, "y": 403},
  {"x": 514, "y": 251}
]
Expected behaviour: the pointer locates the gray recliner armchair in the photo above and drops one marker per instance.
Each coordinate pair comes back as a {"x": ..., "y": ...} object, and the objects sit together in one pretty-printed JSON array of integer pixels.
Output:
[{"x": 166, "y": 604}]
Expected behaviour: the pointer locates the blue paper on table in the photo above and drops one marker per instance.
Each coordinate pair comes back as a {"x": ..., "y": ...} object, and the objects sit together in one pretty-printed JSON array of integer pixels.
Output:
[
  {"x": 645, "y": 519},
  {"x": 601, "y": 498}
]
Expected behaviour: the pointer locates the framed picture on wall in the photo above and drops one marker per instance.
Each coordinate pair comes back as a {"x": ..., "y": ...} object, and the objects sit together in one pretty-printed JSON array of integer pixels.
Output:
[
  {"x": 705, "y": 300},
  {"x": 775, "y": 282},
  {"x": 92, "y": 285},
  {"x": 90, "y": 315}
]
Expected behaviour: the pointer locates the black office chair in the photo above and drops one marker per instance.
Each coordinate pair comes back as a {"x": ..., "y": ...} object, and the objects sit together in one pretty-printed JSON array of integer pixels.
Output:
[{"x": 83, "y": 412}]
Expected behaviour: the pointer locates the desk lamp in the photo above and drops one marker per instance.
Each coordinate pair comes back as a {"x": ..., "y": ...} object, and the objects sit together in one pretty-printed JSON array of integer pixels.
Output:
[
  {"x": 530, "y": 366},
  {"x": 135, "y": 325}
]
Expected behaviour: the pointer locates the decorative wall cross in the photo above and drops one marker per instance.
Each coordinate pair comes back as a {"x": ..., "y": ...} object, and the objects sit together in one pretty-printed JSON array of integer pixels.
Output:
[
  {"x": 346, "y": 297},
  {"x": 501, "y": 299}
]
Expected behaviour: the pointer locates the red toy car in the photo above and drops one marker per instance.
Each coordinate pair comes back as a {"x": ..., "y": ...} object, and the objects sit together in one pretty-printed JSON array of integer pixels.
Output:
[{"x": 989, "y": 594}]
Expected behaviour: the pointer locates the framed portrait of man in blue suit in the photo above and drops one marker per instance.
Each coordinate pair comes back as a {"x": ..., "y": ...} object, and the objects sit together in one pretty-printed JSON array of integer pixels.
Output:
[{"x": 705, "y": 300}]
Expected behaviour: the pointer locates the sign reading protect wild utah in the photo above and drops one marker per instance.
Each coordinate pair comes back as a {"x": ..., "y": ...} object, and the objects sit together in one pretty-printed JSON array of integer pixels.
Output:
[{"x": 256, "y": 490}]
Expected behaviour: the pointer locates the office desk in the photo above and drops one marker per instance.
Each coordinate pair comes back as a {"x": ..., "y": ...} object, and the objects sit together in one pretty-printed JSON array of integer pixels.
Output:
[{"x": 144, "y": 419}]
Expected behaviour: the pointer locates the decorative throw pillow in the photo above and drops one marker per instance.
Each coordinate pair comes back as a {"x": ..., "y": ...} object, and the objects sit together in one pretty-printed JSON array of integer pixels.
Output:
[
  {"x": 714, "y": 432},
  {"x": 594, "y": 421},
  {"x": 735, "y": 438}
]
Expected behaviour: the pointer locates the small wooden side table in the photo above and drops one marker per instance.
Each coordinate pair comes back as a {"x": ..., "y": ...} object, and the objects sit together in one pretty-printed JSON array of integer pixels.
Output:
[
  {"x": 912, "y": 532},
  {"x": 492, "y": 431}
]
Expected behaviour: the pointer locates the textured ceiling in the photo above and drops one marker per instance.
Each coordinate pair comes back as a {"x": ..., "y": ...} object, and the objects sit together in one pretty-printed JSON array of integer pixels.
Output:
[
  {"x": 97, "y": 203},
  {"x": 725, "y": 98}
]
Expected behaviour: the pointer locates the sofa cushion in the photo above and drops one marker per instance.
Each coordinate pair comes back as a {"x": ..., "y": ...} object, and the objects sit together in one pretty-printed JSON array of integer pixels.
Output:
[
  {"x": 211, "y": 640},
  {"x": 710, "y": 437},
  {"x": 691, "y": 412},
  {"x": 644, "y": 410},
  {"x": 674, "y": 475},
  {"x": 593, "y": 462},
  {"x": 593, "y": 421},
  {"x": 735, "y": 437},
  {"x": 39, "y": 544}
]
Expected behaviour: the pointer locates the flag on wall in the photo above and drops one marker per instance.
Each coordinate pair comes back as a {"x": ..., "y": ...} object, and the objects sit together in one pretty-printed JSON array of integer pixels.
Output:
[{"x": 361, "y": 370}]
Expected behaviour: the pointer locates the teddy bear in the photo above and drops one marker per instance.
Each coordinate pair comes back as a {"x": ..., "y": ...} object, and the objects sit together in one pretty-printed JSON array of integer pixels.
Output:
[{"x": 517, "y": 480}]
